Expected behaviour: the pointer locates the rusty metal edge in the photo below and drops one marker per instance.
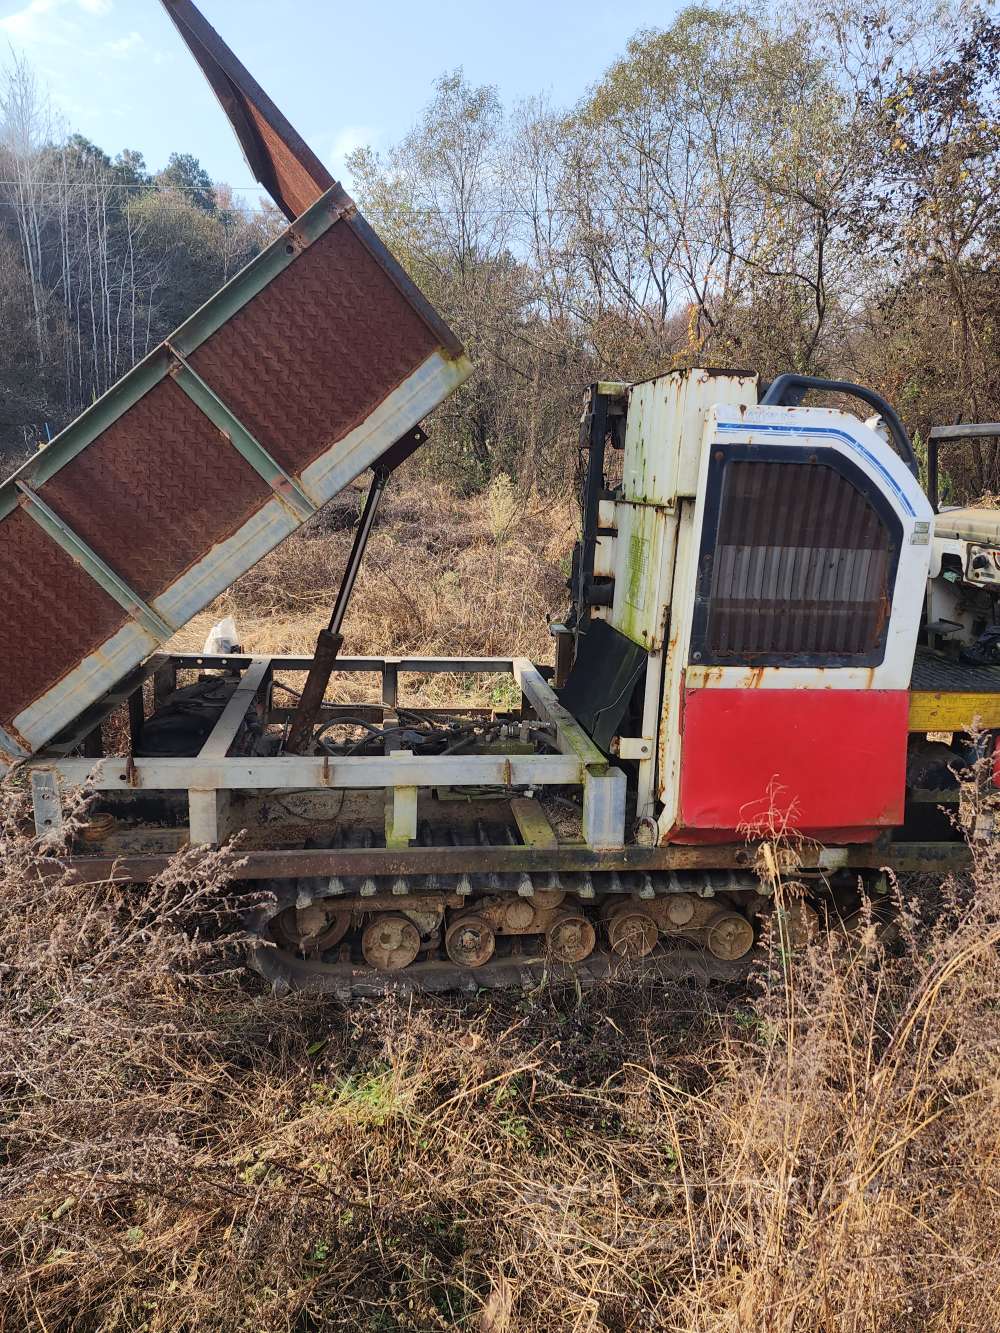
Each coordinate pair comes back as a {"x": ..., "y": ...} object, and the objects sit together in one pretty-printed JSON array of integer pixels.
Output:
[
  {"x": 373, "y": 243},
  {"x": 906, "y": 858},
  {"x": 201, "y": 38},
  {"x": 10, "y": 747},
  {"x": 203, "y": 41}
]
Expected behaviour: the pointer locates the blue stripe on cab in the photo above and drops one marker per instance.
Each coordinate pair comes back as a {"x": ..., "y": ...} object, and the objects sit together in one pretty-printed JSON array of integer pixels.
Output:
[{"x": 856, "y": 445}]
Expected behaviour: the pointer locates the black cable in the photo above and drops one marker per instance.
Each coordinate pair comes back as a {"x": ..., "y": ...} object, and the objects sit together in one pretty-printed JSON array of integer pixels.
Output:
[{"x": 348, "y": 722}]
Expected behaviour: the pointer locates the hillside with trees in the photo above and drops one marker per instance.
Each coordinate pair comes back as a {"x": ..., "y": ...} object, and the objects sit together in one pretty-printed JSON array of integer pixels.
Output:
[{"x": 100, "y": 259}]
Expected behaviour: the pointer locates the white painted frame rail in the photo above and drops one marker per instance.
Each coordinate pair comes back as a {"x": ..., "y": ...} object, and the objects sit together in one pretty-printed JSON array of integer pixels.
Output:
[
  {"x": 208, "y": 806},
  {"x": 213, "y": 774}
]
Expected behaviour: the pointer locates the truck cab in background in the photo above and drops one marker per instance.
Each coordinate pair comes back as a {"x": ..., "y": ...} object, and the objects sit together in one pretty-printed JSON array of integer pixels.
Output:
[{"x": 962, "y": 617}]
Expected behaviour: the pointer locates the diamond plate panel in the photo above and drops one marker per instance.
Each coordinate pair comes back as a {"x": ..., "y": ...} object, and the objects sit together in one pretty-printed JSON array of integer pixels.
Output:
[
  {"x": 312, "y": 355},
  {"x": 935, "y": 673},
  {"x": 302, "y": 347},
  {"x": 53, "y": 612},
  {"x": 296, "y": 186},
  {"x": 156, "y": 491}
]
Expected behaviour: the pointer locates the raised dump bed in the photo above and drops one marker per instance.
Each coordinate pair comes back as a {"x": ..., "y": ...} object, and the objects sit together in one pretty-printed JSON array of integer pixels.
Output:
[{"x": 293, "y": 379}]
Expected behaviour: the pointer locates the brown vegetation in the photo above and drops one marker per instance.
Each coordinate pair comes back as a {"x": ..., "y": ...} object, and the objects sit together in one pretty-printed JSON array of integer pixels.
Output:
[{"x": 185, "y": 1151}]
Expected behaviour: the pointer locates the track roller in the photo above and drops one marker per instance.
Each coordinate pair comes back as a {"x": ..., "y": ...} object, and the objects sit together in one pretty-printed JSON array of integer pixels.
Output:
[
  {"x": 518, "y": 914},
  {"x": 729, "y": 936},
  {"x": 390, "y": 942},
  {"x": 546, "y": 899},
  {"x": 570, "y": 938},
  {"x": 632, "y": 933},
  {"x": 312, "y": 929},
  {"x": 470, "y": 941}
]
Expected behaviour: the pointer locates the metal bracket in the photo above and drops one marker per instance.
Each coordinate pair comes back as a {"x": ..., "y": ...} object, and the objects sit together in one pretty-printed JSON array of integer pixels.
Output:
[
  {"x": 208, "y": 814},
  {"x": 400, "y": 810},
  {"x": 533, "y": 823},
  {"x": 400, "y": 816},
  {"x": 390, "y": 683},
  {"x": 604, "y": 808},
  {"x": 571, "y": 738},
  {"x": 78, "y": 550},
  {"x": 209, "y": 807},
  {"x": 47, "y": 805},
  {"x": 222, "y": 735},
  {"x": 603, "y": 787},
  {"x": 632, "y": 747}
]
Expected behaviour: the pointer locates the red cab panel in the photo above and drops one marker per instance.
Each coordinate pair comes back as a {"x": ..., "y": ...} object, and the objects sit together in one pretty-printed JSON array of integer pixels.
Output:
[{"x": 830, "y": 763}]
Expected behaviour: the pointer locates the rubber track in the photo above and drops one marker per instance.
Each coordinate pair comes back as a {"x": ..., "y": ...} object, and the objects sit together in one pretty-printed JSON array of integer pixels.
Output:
[{"x": 351, "y": 981}]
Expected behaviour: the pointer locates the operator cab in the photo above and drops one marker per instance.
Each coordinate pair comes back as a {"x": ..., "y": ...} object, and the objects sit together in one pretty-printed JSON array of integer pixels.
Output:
[{"x": 962, "y": 610}]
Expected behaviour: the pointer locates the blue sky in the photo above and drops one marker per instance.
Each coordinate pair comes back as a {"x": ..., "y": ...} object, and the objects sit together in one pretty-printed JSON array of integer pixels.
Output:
[{"x": 344, "y": 73}]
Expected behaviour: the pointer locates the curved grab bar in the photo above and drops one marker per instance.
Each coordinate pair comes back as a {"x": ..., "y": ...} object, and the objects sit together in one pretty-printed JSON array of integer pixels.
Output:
[{"x": 789, "y": 390}]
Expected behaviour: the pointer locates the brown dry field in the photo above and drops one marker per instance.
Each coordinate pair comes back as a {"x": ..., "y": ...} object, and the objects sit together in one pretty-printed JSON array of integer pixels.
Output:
[
  {"x": 182, "y": 1150},
  {"x": 443, "y": 576}
]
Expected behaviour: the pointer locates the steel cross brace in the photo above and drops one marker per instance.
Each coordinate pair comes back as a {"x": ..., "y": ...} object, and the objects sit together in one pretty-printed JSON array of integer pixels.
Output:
[
  {"x": 102, "y": 574},
  {"x": 204, "y": 397},
  {"x": 208, "y": 806}
]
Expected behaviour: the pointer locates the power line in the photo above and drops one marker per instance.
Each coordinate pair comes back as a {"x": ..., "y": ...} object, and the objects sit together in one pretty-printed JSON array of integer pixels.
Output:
[
  {"x": 73, "y": 183},
  {"x": 496, "y": 214},
  {"x": 665, "y": 211}
]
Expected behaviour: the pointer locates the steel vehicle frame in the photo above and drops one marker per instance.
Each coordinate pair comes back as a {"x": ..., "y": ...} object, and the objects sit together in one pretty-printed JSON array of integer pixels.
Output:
[
  {"x": 210, "y": 779},
  {"x": 212, "y": 775}
]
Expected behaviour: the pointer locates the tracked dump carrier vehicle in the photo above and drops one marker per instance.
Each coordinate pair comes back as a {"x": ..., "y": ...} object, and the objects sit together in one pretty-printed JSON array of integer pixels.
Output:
[{"x": 772, "y": 632}]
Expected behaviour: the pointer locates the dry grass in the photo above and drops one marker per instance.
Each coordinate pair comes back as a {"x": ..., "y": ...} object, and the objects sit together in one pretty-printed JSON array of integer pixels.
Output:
[
  {"x": 182, "y": 1150},
  {"x": 185, "y": 1151},
  {"x": 443, "y": 576}
]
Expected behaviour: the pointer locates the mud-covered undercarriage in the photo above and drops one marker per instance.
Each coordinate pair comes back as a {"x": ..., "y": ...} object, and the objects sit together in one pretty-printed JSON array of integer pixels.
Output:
[{"x": 476, "y": 927}]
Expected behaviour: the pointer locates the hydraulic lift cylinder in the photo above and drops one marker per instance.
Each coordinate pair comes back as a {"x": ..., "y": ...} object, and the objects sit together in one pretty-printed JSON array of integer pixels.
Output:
[{"x": 329, "y": 640}]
